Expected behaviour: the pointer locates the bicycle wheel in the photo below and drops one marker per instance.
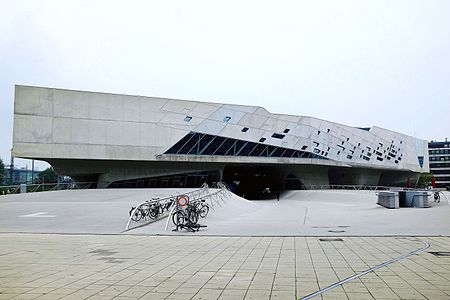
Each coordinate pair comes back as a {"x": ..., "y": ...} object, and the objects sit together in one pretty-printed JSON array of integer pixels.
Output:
[
  {"x": 153, "y": 212},
  {"x": 137, "y": 215},
  {"x": 204, "y": 210},
  {"x": 193, "y": 216},
  {"x": 178, "y": 218}
]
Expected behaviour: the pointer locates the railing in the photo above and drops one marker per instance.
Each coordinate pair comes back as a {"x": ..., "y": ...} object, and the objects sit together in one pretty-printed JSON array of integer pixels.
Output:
[
  {"x": 346, "y": 187},
  {"x": 41, "y": 187},
  {"x": 216, "y": 198}
]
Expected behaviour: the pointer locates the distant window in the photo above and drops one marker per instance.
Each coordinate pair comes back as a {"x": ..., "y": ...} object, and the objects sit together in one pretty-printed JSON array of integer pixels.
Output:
[
  {"x": 348, "y": 139},
  {"x": 316, "y": 150},
  {"x": 328, "y": 130},
  {"x": 318, "y": 132},
  {"x": 286, "y": 130},
  {"x": 262, "y": 140},
  {"x": 349, "y": 156},
  {"x": 187, "y": 119},
  {"x": 245, "y": 129},
  {"x": 379, "y": 158},
  {"x": 304, "y": 147},
  {"x": 339, "y": 152},
  {"x": 227, "y": 119},
  {"x": 278, "y": 136}
]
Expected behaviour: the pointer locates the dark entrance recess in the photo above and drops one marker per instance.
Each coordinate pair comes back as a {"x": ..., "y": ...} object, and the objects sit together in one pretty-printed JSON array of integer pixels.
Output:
[{"x": 254, "y": 182}]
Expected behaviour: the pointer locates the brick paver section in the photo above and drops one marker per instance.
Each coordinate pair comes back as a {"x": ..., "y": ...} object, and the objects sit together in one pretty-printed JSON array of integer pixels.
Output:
[{"x": 47, "y": 266}]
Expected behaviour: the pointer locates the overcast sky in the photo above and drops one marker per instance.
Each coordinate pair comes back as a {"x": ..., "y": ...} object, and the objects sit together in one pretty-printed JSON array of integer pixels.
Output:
[{"x": 360, "y": 63}]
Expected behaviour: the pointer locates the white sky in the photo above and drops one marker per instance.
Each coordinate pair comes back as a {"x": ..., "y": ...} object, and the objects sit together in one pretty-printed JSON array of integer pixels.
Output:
[{"x": 360, "y": 63}]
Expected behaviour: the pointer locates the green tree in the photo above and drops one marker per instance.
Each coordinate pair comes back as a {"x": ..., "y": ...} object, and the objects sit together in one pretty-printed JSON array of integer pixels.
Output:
[
  {"x": 47, "y": 176},
  {"x": 425, "y": 179},
  {"x": 2, "y": 170}
]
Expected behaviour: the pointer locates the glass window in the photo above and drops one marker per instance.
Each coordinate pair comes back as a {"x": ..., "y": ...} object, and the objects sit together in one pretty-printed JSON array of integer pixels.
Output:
[
  {"x": 212, "y": 147},
  {"x": 286, "y": 130},
  {"x": 227, "y": 119},
  {"x": 175, "y": 148},
  {"x": 278, "y": 136},
  {"x": 226, "y": 145},
  {"x": 188, "y": 146},
  {"x": 278, "y": 152},
  {"x": 248, "y": 147},
  {"x": 288, "y": 153},
  {"x": 258, "y": 150},
  {"x": 245, "y": 129},
  {"x": 262, "y": 140}
]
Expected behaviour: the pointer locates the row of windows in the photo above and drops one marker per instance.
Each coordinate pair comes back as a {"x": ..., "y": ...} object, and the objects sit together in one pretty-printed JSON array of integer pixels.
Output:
[
  {"x": 195, "y": 143},
  {"x": 442, "y": 158},
  {"x": 439, "y": 145},
  {"x": 442, "y": 178},
  {"x": 440, "y": 171},
  {"x": 439, "y": 165},
  {"x": 445, "y": 151}
]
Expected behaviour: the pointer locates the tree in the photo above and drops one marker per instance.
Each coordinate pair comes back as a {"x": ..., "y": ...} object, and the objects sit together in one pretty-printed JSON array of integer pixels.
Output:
[
  {"x": 47, "y": 176},
  {"x": 425, "y": 179},
  {"x": 2, "y": 170}
]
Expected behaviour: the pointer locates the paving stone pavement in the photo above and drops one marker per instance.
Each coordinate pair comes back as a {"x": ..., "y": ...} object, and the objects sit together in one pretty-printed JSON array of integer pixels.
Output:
[{"x": 61, "y": 266}]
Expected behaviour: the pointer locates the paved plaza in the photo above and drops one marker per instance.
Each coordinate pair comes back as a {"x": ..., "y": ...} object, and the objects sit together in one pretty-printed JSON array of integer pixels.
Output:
[
  {"x": 49, "y": 266},
  {"x": 72, "y": 245}
]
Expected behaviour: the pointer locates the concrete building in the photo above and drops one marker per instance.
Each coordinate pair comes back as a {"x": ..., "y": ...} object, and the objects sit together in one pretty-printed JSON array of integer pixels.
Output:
[
  {"x": 439, "y": 153},
  {"x": 134, "y": 141}
]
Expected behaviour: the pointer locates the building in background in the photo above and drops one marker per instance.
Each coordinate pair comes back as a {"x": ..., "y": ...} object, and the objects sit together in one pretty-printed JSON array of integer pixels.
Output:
[
  {"x": 14, "y": 176},
  {"x": 134, "y": 141},
  {"x": 439, "y": 153}
]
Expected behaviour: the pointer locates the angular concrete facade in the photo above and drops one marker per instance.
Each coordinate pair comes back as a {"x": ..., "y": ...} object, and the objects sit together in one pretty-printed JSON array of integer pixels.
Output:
[{"x": 119, "y": 138}]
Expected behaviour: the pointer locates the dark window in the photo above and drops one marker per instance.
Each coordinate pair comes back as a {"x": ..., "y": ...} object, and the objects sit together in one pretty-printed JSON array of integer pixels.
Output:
[
  {"x": 420, "y": 158},
  {"x": 175, "y": 148},
  {"x": 238, "y": 146},
  {"x": 212, "y": 147},
  {"x": 379, "y": 158},
  {"x": 278, "y": 136},
  {"x": 187, "y": 119},
  {"x": 195, "y": 150},
  {"x": 304, "y": 147},
  {"x": 318, "y": 132},
  {"x": 278, "y": 152},
  {"x": 288, "y": 153},
  {"x": 286, "y": 130},
  {"x": 245, "y": 129},
  {"x": 349, "y": 156},
  {"x": 226, "y": 145},
  {"x": 245, "y": 151},
  {"x": 258, "y": 150},
  {"x": 328, "y": 130},
  {"x": 205, "y": 141},
  {"x": 227, "y": 119},
  {"x": 262, "y": 140},
  {"x": 191, "y": 143},
  {"x": 270, "y": 150}
]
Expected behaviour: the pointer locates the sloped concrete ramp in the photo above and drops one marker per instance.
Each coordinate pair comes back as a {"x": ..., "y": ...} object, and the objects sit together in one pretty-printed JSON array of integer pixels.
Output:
[{"x": 298, "y": 213}]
